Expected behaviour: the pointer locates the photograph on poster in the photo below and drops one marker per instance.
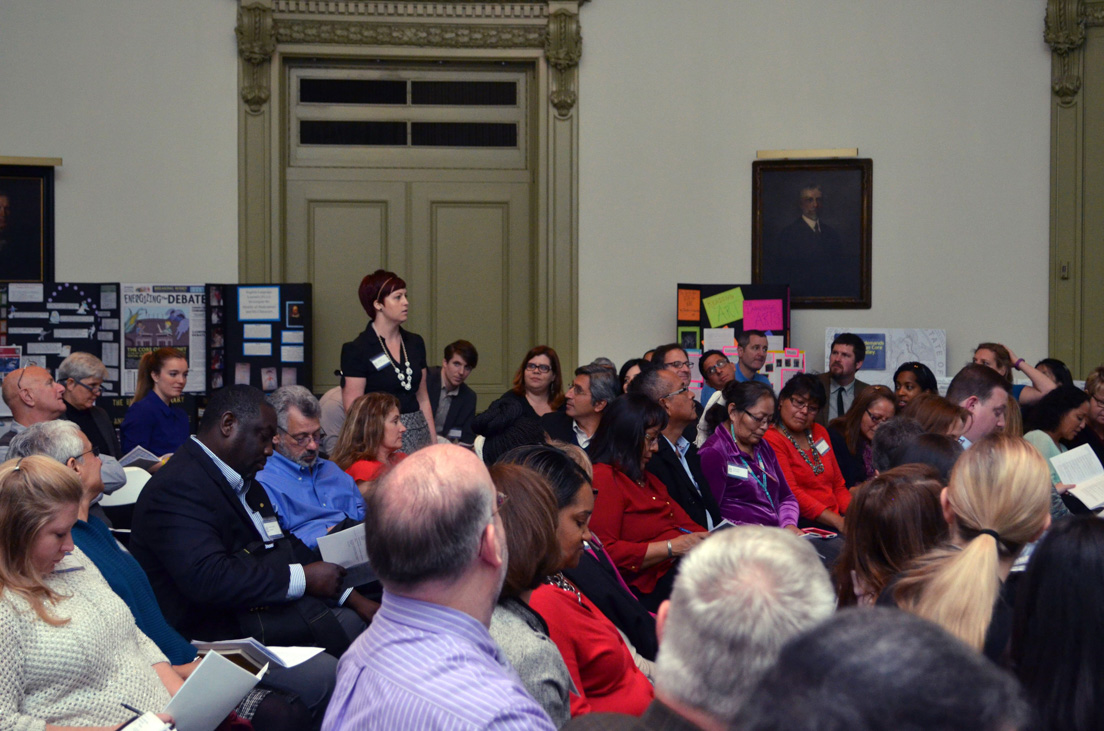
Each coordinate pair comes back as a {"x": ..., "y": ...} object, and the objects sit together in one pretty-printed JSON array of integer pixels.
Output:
[{"x": 295, "y": 314}]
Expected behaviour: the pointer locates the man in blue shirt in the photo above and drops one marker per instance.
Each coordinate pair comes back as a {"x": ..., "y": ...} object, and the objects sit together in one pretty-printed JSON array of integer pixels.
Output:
[
  {"x": 311, "y": 495},
  {"x": 751, "y": 347}
]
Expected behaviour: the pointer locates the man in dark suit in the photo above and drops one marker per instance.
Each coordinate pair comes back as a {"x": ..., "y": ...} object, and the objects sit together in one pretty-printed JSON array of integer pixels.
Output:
[
  {"x": 841, "y": 387},
  {"x": 677, "y": 464},
  {"x": 810, "y": 256},
  {"x": 452, "y": 400},
  {"x": 593, "y": 389}
]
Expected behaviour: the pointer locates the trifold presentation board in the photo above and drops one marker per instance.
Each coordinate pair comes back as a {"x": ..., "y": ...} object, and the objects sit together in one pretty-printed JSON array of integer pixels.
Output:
[{"x": 710, "y": 315}]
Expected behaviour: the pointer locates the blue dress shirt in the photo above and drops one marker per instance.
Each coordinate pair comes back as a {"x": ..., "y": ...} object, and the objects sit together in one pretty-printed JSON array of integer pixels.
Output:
[{"x": 309, "y": 502}]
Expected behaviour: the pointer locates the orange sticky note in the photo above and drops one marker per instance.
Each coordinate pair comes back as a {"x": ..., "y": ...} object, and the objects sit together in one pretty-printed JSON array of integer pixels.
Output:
[{"x": 689, "y": 305}]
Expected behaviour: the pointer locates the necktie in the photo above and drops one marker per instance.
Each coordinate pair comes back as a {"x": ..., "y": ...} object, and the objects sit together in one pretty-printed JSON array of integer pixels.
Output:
[{"x": 839, "y": 401}]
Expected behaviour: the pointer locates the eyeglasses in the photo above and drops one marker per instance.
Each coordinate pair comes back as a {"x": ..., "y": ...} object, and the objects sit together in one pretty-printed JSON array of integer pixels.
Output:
[
  {"x": 876, "y": 418},
  {"x": 677, "y": 364},
  {"x": 684, "y": 389},
  {"x": 95, "y": 451},
  {"x": 94, "y": 390},
  {"x": 500, "y": 500},
  {"x": 651, "y": 439},
  {"x": 760, "y": 420},
  {"x": 806, "y": 406},
  {"x": 538, "y": 368},
  {"x": 302, "y": 440},
  {"x": 1099, "y": 401},
  {"x": 716, "y": 367}
]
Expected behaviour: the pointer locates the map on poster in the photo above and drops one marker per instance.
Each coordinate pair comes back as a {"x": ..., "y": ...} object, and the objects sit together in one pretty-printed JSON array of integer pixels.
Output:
[
  {"x": 888, "y": 348},
  {"x": 163, "y": 316}
]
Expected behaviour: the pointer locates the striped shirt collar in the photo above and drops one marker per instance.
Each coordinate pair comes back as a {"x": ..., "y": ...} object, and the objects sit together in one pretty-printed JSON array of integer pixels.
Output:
[{"x": 237, "y": 482}]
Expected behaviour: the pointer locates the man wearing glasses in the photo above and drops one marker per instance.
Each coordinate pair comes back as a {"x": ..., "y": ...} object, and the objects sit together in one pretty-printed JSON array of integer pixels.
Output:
[
  {"x": 33, "y": 397},
  {"x": 672, "y": 357},
  {"x": 312, "y": 495}
]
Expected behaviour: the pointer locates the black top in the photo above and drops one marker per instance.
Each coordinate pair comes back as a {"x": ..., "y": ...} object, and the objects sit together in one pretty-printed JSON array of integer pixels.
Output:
[
  {"x": 97, "y": 426},
  {"x": 356, "y": 362},
  {"x": 851, "y": 465},
  {"x": 695, "y": 500}
]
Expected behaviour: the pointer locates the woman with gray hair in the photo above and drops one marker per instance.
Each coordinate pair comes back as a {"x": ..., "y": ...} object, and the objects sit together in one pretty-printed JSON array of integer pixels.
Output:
[{"x": 83, "y": 375}]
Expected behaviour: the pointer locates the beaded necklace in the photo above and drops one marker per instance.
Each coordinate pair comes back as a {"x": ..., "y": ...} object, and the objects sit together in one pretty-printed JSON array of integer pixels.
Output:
[
  {"x": 818, "y": 467},
  {"x": 406, "y": 380},
  {"x": 559, "y": 581}
]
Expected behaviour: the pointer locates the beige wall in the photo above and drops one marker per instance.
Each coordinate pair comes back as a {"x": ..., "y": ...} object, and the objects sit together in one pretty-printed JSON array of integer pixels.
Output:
[{"x": 949, "y": 98}]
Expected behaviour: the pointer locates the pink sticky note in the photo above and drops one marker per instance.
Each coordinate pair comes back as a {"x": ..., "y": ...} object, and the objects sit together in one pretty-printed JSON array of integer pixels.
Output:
[{"x": 762, "y": 314}]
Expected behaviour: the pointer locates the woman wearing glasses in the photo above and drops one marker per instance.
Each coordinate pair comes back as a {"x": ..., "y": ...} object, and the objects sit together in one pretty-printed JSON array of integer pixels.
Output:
[
  {"x": 537, "y": 390},
  {"x": 83, "y": 375},
  {"x": 151, "y": 421},
  {"x": 853, "y": 433},
  {"x": 741, "y": 469},
  {"x": 641, "y": 527},
  {"x": 806, "y": 456}
]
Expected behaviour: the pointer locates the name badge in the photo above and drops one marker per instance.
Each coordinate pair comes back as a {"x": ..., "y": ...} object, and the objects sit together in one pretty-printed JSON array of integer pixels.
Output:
[
  {"x": 740, "y": 473},
  {"x": 272, "y": 529},
  {"x": 381, "y": 361},
  {"x": 822, "y": 446},
  {"x": 454, "y": 434}
]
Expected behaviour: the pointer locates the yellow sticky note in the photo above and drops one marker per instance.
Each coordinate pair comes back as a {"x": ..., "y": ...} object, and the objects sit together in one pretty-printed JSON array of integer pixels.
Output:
[{"x": 724, "y": 308}]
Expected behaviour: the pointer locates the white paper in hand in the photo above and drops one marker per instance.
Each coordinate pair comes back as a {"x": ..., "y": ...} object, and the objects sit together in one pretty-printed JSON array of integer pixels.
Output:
[{"x": 213, "y": 689}]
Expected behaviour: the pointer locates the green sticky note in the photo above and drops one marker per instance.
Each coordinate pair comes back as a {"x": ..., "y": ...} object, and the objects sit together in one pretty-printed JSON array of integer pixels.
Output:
[{"x": 724, "y": 308}]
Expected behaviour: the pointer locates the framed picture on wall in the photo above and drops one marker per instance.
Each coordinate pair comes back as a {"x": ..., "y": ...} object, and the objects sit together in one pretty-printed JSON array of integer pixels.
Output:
[
  {"x": 811, "y": 230},
  {"x": 26, "y": 223}
]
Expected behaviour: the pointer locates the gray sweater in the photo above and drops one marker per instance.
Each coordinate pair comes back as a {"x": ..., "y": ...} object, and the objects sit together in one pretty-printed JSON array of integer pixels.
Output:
[{"x": 523, "y": 637}]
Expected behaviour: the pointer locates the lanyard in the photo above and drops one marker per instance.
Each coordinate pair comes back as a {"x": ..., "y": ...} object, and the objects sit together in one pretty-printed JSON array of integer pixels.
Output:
[{"x": 762, "y": 482}]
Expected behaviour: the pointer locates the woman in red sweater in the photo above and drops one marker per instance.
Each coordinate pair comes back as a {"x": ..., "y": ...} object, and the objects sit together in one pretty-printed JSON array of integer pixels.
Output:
[{"x": 371, "y": 438}]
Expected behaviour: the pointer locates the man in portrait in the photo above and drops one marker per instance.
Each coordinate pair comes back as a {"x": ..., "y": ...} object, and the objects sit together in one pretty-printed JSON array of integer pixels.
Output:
[{"x": 20, "y": 241}]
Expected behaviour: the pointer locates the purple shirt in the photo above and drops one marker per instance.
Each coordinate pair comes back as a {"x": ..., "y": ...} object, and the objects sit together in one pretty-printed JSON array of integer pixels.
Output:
[
  {"x": 748, "y": 489},
  {"x": 424, "y": 666}
]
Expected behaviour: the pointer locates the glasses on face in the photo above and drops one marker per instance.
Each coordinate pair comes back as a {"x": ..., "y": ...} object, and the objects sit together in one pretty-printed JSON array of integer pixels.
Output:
[
  {"x": 651, "y": 439},
  {"x": 500, "y": 500},
  {"x": 684, "y": 389},
  {"x": 94, "y": 390},
  {"x": 1098, "y": 401},
  {"x": 302, "y": 440},
  {"x": 95, "y": 452},
  {"x": 759, "y": 420},
  {"x": 802, "y": 405},
  {"x": 717, "y": 367},
  {"x": 876, "y": 419},
  {"x": 677, "y": 364},
  {"x": 538, "y": 368}
]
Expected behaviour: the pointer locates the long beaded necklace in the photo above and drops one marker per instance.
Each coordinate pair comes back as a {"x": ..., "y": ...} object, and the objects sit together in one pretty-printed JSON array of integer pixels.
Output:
[
  {"x": 406, "y": 380},
  {"x": 559, "y": 581},
  {"x": 819, "y": 466}
]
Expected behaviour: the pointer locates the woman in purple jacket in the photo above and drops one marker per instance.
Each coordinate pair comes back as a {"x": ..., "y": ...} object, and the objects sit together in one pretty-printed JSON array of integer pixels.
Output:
[{"x": 739, "y": 466}]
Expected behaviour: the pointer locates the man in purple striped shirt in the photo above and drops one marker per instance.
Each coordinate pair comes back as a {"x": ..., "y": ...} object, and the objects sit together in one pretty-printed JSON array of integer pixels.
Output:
[{"x": 427, "y": 661}]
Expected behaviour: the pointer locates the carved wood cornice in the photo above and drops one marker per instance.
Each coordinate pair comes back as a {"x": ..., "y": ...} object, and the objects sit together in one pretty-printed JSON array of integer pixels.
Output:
[
  {"x": 256, "y": 44},
  {"x": 563, "y": 48},
  {"x": 1064, "y": 32},
  {"x": 1093, "y": 13},
  {"x": 410, "y": 34},
  {"x": 534, "y": 9}
]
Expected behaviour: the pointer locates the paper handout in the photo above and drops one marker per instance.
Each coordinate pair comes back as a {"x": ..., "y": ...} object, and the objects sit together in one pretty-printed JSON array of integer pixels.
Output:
[
  {"x": 259, "y": 654},
  {"x": 213, "y": 689},
  {"x": 348, "y": 548},
  {"x": 1080, "y": 467}
]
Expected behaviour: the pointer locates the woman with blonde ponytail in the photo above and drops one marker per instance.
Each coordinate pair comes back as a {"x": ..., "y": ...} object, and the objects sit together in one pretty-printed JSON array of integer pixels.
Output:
[{"x": 998, "y": 501}]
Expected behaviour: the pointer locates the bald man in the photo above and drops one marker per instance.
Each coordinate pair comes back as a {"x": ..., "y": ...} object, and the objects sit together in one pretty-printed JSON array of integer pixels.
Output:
[
  {"x": 437, "y": 543},
  {"x": 33, "y": 397}
]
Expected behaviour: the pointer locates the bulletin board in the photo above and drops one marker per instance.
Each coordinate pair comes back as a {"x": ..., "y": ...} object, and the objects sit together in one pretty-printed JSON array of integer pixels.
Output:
[
  {"x": 703, "y": 308},
  {"x": 42, "y": 323},
  {"x": 259, "y": 335},
  {"x": 163, "y": 316}
]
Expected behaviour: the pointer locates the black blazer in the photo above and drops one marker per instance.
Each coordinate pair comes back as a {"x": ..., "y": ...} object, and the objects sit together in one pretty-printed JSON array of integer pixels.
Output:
[
  {"x": 188, "y": 529},
  {"x": 851, "y": 465},
  {"x": 559, "y": 425},
  {"x": 666, "y": 466},
  {"x": 461, "y": 410}
]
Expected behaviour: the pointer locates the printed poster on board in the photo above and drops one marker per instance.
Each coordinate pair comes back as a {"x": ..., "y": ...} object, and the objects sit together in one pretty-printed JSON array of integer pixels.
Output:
[{"x": 164, "y": 316}]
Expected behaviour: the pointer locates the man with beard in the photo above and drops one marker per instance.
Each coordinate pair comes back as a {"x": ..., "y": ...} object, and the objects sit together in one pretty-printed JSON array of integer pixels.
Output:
[
  {"x": 312, "y": 495},
  {"x": 840, "y": 385}
]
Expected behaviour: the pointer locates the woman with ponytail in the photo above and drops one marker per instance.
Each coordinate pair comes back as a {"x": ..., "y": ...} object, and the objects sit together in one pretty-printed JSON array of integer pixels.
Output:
[
  {"x": 998, "y": 502},
  {"x": 151, "y": 421}
]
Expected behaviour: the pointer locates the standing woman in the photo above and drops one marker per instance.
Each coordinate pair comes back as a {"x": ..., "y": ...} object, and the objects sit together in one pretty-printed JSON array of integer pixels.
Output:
[
  {"x": 853, "y": 433},
  {"x": 151, "y": 421},
  {"x": 387, "y": 358},
  {"x": 83, "y": 375}
]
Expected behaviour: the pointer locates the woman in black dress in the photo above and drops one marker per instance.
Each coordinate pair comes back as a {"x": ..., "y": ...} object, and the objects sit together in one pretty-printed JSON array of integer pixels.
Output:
[{"x": 386, "y": 358}]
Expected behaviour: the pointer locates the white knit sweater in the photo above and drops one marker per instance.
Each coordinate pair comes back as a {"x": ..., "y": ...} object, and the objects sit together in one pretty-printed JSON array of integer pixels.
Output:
[{"x": 77, "y": 674}]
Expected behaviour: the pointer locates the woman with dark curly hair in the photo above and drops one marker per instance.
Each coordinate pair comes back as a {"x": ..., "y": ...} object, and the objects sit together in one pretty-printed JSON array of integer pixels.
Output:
[{"x": 1058, "y": 416}]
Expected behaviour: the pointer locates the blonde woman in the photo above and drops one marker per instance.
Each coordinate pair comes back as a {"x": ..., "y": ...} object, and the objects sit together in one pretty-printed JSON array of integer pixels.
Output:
[
  {"x": 371, "y": 438},
  {"x": 998, "y": 502}
]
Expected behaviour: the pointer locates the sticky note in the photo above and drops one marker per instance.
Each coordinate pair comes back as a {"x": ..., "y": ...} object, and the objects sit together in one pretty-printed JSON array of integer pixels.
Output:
[
  {"x": 689, "y": 305},
  {"x": 762, "y": 314},
  {"x": 725, "y": 308}
]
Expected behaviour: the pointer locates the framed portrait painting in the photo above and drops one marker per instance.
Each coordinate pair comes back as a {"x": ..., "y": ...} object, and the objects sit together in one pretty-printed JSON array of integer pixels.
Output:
[
  {"x": 26, "y": 223},
  {"x": 811, "y": 230}
]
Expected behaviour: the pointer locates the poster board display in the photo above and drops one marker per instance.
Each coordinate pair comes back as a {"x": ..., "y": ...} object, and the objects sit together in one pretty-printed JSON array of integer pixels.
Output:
[
  {"x": 163, "y": 316},
  {"x": 706, "y": 310},
  {"x": 887, "y": 348},
  {"x": 259, "y": 335},
  {"x": 782, "y": 365},
  {"x": 43, "y": 323}
]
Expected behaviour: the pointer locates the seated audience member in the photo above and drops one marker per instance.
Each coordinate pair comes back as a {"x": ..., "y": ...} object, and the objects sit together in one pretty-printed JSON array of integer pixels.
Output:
[
  {"x": 741, "y": 469},
  {"x": 983, "y": 392},
  {"x": 841, "y": 387},
  {"x": 1093, "y": 433},
  {"x": 630, "y": 370},
  {"x": 881, "y": 670},
  {"x": 676, "y": 462},
  {"x": 63, "y": 442},
  {"x": 938, "y": 415},
  {"x": 673, "y": 357},
  {"x": 1004, "y": 361},
  {"x": 371, "y": 439},
  {"x": 751, "y": 352},
  {"x": 151, "y": 421},
  {"x": 33, "y": 397},
  {"x": 805, "y": 455},
  {"x": 538, "y": 385},
  {"x": 82, "y": 375},
  {"x": 912, "y": 379},
  {"x": 333, "y": 418},
  {"x": 852, "y": 434},
  {"x": 738, "y": 598},
  {"x": 1057, "y": 417},
  {"x": 593, "y": 389},
  {"x": 529, "y": 518},
  {"x": 595, "y": 575},
  {"x": 717, "y": 370},
  {"x": 1058, "y": 630},
  {"x": 643, "y": 529},
  {"x": 606, "y": 363},
  {"x": 452, "y": 400},
  {"x": 72, "y": 651},
  {"x": 1013, "y": 419},
  {"x": 893, "y": 519},
  {"x": 997, "y": 502},
  {"x": 890, "y": 439},
  {"x": 312, "y": 495},
  {"x": 436, "y": 539},
  {"x": 938, "y": 451},
  {"x": 220, "y": 566},
  {"x": 1056, "y": 371}
]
